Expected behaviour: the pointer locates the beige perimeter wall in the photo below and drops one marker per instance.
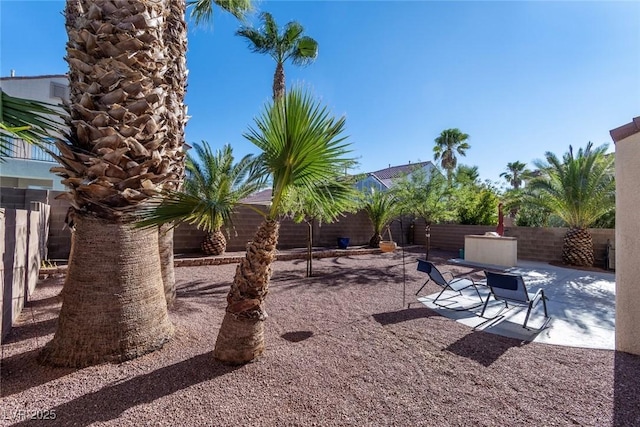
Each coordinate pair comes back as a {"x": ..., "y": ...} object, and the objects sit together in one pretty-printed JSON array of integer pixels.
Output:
[{"x": 539, "y": 244}]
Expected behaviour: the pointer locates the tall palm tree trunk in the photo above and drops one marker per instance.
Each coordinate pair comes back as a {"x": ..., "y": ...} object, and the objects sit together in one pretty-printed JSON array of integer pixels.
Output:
[
  {"x": 175, "y": 40},
  {"x": 165, "y": 247},
  {"x": 577, "y": 248},
  {"x": 278, "y": 82},
  {"x": 106, "y": 316},
  {"x": 241, "y": 336}
]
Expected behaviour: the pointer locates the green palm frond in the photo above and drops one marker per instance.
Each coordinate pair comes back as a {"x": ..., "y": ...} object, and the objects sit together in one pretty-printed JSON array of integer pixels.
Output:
[
  {"x": 381, "y": 207},
  {"x": 258, "y": 43},
  {"x": 301, "y": 143},
  {"x": 26, "y": 119},
  {"x": 306, "y": 51},
  {"x": 288, "y": 44},
  {"x": 215, "y": 185},
  {"x": 579, "y": 189},
  {"x": 202, "y": 10}
]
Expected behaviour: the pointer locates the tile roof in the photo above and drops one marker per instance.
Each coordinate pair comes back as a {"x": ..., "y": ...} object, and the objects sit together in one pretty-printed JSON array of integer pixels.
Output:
[
  {"x": 260, "y": 198},
  {"x": 396, "y": 171}
]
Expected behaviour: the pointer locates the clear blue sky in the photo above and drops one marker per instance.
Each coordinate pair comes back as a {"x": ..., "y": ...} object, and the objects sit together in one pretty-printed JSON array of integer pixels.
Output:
[{"x": 521, "y": 78}]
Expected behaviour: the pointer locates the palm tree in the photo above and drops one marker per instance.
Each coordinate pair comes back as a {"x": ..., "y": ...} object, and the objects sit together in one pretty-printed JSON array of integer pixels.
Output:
[
  {"x": 123, "y": 148},
  {"x": 380, "y": 206},
  {"x": 579, "y": 189},
  {"x": 450, "y": 142},
  {"x": 290, "y": 44},
  {"x": 302, "y": 148},
  {"x": 175, "y": 38},
  {"x": 466, "y": 175},
  {"x": 215, "y": 185},
  {"x": 516, "y": 173}
]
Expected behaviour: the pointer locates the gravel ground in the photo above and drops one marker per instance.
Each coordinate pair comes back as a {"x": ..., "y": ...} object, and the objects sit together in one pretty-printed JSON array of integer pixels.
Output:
[{"x": 342, "y": 350}]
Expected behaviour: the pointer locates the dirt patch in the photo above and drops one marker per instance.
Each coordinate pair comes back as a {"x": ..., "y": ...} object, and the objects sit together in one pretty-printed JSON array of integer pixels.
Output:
[{"x": 342, "y": 350}]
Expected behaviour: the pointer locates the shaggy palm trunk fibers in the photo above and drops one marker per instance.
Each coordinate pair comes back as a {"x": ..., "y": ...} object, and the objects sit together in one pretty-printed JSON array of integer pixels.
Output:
[
  {"x": 241, "y": 336},
  {"x": 113, "y": 304},
  {"x": 578, "y": 247},
  {"x": 214, "y": 243}
]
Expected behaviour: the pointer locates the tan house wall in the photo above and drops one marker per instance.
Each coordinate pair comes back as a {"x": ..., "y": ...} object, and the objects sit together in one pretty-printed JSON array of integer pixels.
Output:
[{"x": 627, "y": 139}]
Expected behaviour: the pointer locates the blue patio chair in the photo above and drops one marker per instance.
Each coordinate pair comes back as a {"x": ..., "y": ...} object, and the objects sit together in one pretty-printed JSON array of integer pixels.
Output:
[
  {"x": 456, "y": 284},
  {"x": 510, "y": 288}
]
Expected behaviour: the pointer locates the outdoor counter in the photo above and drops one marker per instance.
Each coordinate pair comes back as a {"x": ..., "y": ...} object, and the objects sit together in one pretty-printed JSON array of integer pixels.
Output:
[{"x": 501, "y": 251}]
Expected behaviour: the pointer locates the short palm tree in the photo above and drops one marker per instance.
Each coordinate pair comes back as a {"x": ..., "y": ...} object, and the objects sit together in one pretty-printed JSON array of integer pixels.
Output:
[
  {"x": 516, "y": 173},
  {"x": 302, "y": 147},
  {"x": 450, "y": 142},
  {"x": 290, "y": 44},
  {"x": 579, "y": 189},
  {"x": 380, "y": 206},
  {"x": 215, "y": 185}
]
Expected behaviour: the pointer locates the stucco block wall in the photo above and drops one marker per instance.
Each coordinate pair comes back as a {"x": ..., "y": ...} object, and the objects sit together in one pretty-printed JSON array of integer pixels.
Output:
[
  {"x": 627, "y": 139},
  {"x": 22, "y": 243},
  {"x": 537, "y": 244},
  {"x": 357, "y": 227},
  {"x": 14, "y": 256}
]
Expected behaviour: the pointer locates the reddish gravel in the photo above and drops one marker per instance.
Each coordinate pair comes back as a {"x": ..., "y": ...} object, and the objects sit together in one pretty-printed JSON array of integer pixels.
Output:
[{"x": 341, "y": 351}]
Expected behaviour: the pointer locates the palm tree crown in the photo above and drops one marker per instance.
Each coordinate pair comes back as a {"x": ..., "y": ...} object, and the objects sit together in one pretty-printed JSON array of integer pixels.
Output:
[
  {"x": 516, "y": 173},
  {"x": 215, "y": 185},
  {"x": 301, "y": 146},
  {"x": 450, "y": 142},
  {"x": 380, "y": 206},
  {"x": 290, "y": 44},
  {"x": 580, "y": 188}
]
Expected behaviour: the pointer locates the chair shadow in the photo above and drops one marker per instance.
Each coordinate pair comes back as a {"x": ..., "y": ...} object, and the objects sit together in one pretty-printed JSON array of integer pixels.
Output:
[
  {"x": 110, "y": 402},
  {"x": 393, "y": 317},
  {"x": 483, "y": 347},
  {"x": 626, "y": 382}
]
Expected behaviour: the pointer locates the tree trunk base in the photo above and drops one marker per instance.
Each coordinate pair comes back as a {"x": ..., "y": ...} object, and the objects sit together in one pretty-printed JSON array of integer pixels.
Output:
[
  {"x": 240, "y": 340},
  {"x": 113, "y": 303}
]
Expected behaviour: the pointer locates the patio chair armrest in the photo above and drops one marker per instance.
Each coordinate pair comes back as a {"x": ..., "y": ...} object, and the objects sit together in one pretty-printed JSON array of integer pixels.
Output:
[
  {"x": 538, "y": 295},
  {"x": 450, "y": 274},
  {"x": 461, "y": 277}
]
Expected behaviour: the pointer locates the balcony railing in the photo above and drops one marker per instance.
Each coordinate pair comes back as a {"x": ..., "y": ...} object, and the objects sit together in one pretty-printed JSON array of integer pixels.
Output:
[{"x": 24, "y": 151}]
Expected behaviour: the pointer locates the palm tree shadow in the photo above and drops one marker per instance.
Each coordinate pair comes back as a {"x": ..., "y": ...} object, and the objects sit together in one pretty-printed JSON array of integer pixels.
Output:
[
  {"x": 110, "y": 402},
  {"x": 22, "y": 371},
  {"x": 31, "y": 330},
  {"x": 483, "y": 347},
  {"x": 200, "y": 288},
  {"x": 626, "y": 411}
]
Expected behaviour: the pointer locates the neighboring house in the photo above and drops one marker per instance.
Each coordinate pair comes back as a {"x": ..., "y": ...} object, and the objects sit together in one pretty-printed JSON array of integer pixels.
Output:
[
  {"x": 382, "y": 180},
  {"x": 262, "y": 197},
  {"x": 28, "y": 166}
]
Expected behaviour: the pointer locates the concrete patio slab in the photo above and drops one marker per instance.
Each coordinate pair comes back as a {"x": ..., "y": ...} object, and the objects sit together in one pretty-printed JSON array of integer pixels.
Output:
[{"x": 581, "y": 305}]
